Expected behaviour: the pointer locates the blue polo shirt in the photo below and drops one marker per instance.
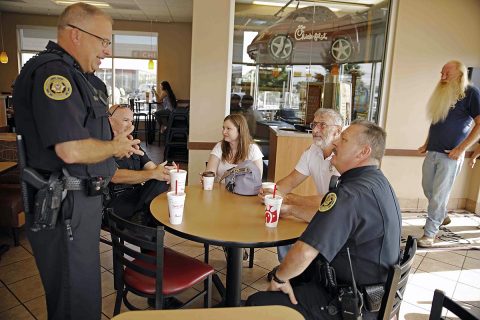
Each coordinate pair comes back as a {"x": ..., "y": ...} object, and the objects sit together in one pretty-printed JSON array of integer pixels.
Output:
[{"x": 447, "y": 134}]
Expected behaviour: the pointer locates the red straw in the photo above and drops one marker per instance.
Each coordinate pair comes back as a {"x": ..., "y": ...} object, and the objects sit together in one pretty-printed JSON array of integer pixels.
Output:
[
  {"x": 176, "y": 187},
  {"x": 274, "y": 190}
]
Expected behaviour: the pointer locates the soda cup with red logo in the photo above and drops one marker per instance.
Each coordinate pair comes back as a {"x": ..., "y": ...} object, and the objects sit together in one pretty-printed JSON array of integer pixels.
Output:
[{"x": 272, "y": 210}]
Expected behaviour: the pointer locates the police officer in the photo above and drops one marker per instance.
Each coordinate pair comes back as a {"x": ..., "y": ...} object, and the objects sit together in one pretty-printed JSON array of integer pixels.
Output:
[
  {"x": 361, "y": 213},
  {"x": 64, "y": 122},
  {"x": 138, "y": 179}
]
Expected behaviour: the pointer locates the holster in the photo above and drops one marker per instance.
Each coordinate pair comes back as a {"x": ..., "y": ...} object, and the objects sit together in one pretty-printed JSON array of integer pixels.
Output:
[
  {"x": 48, "y": 200},
  {"x": 372, "y": 296}
]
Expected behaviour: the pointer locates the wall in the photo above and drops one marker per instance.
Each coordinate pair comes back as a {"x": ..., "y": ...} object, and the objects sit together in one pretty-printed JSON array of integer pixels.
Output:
[
  {"x": 174, "y": 48},
  {"x": 428, "y": 34},
  {"x": 210, "y": 78}
]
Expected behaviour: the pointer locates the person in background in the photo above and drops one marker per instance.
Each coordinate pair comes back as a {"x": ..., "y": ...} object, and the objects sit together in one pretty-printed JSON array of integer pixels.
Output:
[
  {"x": 360, "y": 214},
  {"x": 167, "y": 101},
  {"x": 250, "y": 114},
  {"x": 63, "y": 120},
  {"x": 474, "y": 157},
  {"x": 235, "y": 147},
  {"x": 454, "y": 112},
  {"x": 235, "y": 104},
  {"x": 137, "y": 179},
  {"x": 314, "y": 162}
]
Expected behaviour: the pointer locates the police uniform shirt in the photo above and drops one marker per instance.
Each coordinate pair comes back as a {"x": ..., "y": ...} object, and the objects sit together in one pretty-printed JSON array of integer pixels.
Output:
[
  {"x": 62, "y": 108},
  {"x": 362, "y": 213},
  {"x": 134, "y": 162}
]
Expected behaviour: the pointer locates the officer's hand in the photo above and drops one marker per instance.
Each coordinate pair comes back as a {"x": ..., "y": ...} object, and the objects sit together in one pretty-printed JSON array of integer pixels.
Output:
[
  {"x": 285, "y": 288},
  {"x": 124, "y": 147},
  {"x": 286, "y": 211}
]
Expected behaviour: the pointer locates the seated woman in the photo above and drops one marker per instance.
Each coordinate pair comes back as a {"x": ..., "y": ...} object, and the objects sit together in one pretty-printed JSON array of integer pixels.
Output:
[
  {"x": 167, "y": 101},
  {"x": 236, "y": 146}
]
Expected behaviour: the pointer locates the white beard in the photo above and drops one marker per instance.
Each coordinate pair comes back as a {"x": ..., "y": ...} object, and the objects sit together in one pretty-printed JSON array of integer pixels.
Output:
[{"x": 443, "y": 98}]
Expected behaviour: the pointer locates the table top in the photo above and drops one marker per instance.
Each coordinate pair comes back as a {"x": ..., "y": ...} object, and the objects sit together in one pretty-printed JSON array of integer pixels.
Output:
[
  {"x": 6, "y": 165},
  {"x": 8, "y": 136},
  {"x": 239, "y": 313},
  {"x": 220, "y": 217}
]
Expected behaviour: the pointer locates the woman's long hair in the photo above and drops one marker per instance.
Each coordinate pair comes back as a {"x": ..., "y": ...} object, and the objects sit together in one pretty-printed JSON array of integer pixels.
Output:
[
  {"x": 171, "y": 96},
  {"x": 244, "y": 140}
]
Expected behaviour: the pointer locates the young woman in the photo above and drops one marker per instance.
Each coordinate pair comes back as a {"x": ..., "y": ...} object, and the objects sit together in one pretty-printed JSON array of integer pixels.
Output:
[
  {"x": 168, "y": 102},
  {"x": 236, "y": 146}
]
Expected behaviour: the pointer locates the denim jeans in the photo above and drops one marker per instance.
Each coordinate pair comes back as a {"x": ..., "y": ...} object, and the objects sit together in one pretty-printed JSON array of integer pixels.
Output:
[{"x": 438, "y": 175}]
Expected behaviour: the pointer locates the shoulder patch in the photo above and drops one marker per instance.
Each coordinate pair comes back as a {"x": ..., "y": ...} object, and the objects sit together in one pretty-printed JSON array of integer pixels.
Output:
[
  {"x": 57, "y": 87},
  {"x": 328, "y": 202}
]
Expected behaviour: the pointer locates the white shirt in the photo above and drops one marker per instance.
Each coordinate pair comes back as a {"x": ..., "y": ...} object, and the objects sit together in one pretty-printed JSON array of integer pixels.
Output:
[
  {"x": 314, "y": 165},
  {"x": 254, "y": 154}
]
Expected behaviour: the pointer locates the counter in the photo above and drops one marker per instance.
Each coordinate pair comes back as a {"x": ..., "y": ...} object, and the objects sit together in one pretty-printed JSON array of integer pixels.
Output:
[{"x": 286, "y": 147}]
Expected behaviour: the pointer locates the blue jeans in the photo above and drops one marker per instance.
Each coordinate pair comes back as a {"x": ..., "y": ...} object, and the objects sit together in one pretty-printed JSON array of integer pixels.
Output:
[{"x": 438, "y": 175}]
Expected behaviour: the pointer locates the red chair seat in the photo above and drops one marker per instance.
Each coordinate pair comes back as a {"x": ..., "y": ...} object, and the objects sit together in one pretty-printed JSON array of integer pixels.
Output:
[{"x": 180, "y": 272}]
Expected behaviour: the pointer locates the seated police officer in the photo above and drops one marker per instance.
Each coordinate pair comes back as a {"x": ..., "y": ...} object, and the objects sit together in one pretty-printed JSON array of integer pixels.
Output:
[
  {"x": 362, "y": 214},
  {"x": 137, "y": 179}
]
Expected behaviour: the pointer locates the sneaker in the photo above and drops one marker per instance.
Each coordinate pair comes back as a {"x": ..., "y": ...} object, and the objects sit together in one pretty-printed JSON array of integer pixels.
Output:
[
  {"x": 446, "y": 221},
  {"x": 425, "y": 242}
]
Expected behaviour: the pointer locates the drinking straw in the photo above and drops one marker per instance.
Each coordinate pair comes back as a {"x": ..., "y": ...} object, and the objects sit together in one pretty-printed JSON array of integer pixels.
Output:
[
  {"x": 176, "y": 187},
  {"x": 178, "y": 167},
  {"x": 274, "y": 190}
]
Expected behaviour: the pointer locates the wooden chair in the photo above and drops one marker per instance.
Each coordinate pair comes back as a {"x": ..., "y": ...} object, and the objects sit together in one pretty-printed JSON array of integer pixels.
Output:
[
  {"x": 142, "y": 265},
  {"x": 441, "y": 301},
  {"x": 397, "y": 281}
]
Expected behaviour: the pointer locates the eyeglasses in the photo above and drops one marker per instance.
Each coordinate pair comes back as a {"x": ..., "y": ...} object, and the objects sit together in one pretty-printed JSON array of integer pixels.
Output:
[
  {"x": 322, "y": 125},
  {"x": 119, "y": 106},
  {"x": 105, "y": 42}
]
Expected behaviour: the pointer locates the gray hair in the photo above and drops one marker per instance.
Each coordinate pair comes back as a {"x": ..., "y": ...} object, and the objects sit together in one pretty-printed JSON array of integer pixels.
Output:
[
  {"x": 79, "y": 12},
  {"x": 374, "y": 136},
  {"x": 333, "y": 114}
]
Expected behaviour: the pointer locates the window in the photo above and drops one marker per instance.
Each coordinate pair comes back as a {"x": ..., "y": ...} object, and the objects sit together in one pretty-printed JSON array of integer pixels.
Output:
[{"x": 127, "y": 68}]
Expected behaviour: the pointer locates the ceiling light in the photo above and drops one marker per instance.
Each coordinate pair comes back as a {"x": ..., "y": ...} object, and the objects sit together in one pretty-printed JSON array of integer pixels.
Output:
[{"x": 93, "y": 3}]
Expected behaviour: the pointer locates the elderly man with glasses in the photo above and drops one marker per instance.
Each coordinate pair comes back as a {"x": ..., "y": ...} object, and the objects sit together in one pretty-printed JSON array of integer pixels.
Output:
[
  {"x": 138, "y": 179},
  {"x": 315, "y": 163}
]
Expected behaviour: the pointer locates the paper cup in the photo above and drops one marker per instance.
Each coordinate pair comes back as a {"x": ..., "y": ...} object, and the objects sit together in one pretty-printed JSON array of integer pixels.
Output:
[
  {"x": 176, "y": 204},
  {"x": 268, "y": 186},
  {"x": 272, "y": 210},
  {"x": 208, "y": 183},
  {"x": 181, "y": 177}
]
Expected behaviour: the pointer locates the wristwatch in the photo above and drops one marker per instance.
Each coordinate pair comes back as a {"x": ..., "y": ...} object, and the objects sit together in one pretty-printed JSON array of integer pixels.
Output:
[{"x": 273, "y": 275}]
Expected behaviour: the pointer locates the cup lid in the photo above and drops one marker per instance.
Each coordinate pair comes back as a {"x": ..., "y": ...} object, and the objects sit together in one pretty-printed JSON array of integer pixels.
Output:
[{"x": 208, "y": 174}]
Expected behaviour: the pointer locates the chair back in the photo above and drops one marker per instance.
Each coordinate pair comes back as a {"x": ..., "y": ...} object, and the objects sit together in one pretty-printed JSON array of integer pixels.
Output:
[
  {"x": 441, "y": 301},
  {"x": 397, "y": 281},
  {"x": 130, "y": 242}
]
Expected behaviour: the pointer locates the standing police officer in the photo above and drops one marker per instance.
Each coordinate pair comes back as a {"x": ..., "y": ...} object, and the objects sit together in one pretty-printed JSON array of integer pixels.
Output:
[
  {"x": 64, "y": 123},
  {"x": 361, "y": 213}
]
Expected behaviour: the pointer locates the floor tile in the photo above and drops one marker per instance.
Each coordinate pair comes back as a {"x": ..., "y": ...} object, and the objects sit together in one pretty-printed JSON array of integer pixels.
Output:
[
  {"x": 261, "y": 284},
  {"x": 472, "y": 264},
  {"x": 107, "y": 284},
  {"x": 18, "y": 270},
  {"x": 14, "y": 254},
  {"x": 7, "y": 300},
  {"x": 417, "y": 260},
  {"x": 449, "y": 257},
  {"x": 410, "y": 311},
  {"x": 171, "y": 240},
  {"x": 103, "y": 247},
  {"x": 467, "y": 294},
  {"x": 439, "y": 268},
  {"x": 247, "y": 292},
  {"x": 474, "y": 254},
  {"x": 108, "y": 303},
  {"x": 28, "y": 289},
  {"x": 418, "y": 296},
  {"x": 216, "y": 258},
  {"x": 266, "y": 259},
  {"x": 38, "y": 307},
  {"x": 16, "y": 313},
  {"x": 249, "y": 276},
  {"x": 431, "y": 281},
  {"x": 190, "y": 248},
  {"x": 471, "y": 278},
  {"x": 106, "y": 259}
]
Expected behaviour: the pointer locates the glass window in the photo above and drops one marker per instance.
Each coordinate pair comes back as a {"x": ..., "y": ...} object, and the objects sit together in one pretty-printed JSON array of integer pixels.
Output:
[
  {"x": 131, "y": 54},
  {"x": 317, "y": 54}
]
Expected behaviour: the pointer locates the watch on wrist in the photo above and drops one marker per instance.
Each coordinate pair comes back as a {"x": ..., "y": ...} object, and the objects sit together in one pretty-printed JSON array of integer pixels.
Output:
[{"x": 273, "y": 273}]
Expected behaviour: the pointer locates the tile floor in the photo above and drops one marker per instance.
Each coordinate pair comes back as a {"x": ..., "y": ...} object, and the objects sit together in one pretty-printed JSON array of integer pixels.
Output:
[{"x": 455, "y": 272}]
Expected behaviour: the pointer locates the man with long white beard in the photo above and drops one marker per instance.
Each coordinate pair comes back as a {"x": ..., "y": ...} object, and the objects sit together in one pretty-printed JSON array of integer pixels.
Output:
[
  {"x": 314, "y": 162},
  {"x": 454, "y": 111}
]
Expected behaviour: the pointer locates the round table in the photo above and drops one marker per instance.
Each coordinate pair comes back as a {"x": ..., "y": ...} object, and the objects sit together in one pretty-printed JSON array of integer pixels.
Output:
[{"x": 219, "y": 217}]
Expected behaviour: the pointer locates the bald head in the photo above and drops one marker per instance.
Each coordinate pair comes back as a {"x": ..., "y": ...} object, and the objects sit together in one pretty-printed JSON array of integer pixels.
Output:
[{"x": 121, "y": 118}]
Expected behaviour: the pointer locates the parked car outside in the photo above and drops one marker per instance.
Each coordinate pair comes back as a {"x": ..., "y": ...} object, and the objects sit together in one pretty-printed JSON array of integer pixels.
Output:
[{"x": 317, "y": 35}]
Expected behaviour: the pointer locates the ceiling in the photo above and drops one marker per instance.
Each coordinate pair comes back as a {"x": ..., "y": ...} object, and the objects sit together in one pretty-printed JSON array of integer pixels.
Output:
[{"x": 164, "y": 10}]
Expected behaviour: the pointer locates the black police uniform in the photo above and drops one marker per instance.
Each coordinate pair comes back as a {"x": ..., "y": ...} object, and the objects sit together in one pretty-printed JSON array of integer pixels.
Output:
[
  {"x": 130, "y": 199},
  {"x": 361, "y": 213},
  {"x": 54, "y": 103}
]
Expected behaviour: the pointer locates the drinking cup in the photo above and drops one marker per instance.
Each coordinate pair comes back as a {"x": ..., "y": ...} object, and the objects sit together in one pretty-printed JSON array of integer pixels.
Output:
[
  {"x": 178, "y": 179},
  {"x": 208, "y": 178},
  {"x": 272, "y": 210},
  {"x": 176, "y": 204}
]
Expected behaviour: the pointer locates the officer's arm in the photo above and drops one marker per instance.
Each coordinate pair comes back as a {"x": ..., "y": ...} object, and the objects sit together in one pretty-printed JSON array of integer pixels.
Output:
[
  {"x": 126, "y": 176},
  {"x": 305, "y": 210},
  {"x": 150, "y": 165},
  {"x": 90, "y": 150},
  {"x": 297, "y": 260}
]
